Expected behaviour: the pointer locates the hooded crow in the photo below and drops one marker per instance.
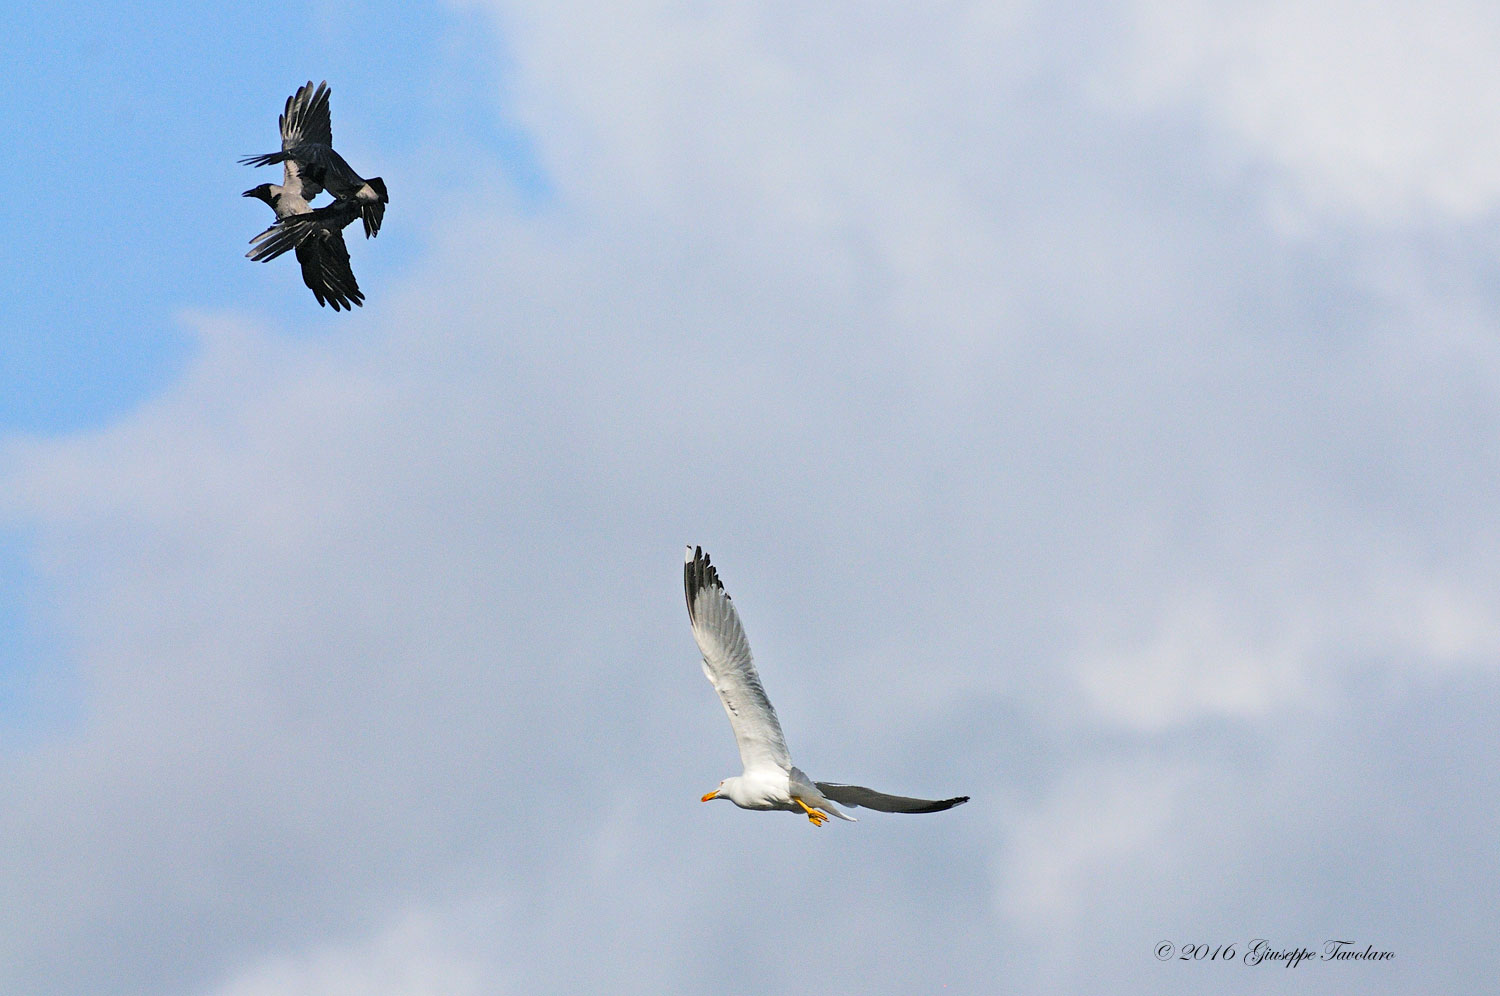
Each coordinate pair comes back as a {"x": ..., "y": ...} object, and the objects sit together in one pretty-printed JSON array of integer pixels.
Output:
[
  {"x": 307, "y": 142},
  {"x": 319, "y": 245},
  {"x": 325, "y": 260}
]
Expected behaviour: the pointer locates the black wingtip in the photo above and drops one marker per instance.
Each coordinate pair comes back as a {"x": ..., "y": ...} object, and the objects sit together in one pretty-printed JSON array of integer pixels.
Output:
[
  {"x": 939, "y": 806},
  {"x": 698, "y": 573}
]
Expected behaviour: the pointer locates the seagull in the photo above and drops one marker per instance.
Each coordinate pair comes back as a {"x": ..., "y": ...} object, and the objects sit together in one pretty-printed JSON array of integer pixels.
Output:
[
  {"x": 770, "y": 780},
  {"x": 309, "y": 145}
]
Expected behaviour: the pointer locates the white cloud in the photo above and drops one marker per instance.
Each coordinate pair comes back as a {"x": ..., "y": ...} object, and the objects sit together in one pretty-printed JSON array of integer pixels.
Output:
[
  {"x": 407, "y": 958},
  {"x": 1383, "y": 110},
  {"x": 1199, "y": 663},
  {"x": 1201, "y": 658},
  {"x": 1101, "y": 824}
]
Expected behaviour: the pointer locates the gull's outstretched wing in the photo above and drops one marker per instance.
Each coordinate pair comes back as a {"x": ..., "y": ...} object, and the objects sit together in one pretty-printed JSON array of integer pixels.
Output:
[
  {"x": 727, "y": 663},
  {"x": 858, "y": 795}
]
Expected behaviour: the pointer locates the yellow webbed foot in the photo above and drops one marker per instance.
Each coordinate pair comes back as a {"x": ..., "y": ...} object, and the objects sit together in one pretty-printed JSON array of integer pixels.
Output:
[{"x": 816, "y": 816}]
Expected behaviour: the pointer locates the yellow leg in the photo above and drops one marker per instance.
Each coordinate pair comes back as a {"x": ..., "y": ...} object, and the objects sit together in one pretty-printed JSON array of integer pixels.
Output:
[{"x": 817, "y": 816}]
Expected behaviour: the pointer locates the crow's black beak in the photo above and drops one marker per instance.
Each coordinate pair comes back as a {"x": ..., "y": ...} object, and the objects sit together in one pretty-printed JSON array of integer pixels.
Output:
[{"x": 248, "y": 193}]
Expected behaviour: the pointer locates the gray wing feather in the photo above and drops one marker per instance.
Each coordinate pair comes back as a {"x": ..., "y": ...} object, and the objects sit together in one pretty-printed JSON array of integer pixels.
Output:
[
  {"x": 304, "y": 121},
  {"x": 729, "y": 668},
  {"x": 306, "y": 117},
  {"x": 272, "y": 243},
  {"x": 307, "y": 146},
  {"x": 858, "y": 795},
  {"x": 295, "y": 229}
]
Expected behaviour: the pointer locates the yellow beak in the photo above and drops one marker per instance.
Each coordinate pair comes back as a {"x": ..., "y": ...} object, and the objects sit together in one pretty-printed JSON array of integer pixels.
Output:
[{"x": 712, "y": 795}]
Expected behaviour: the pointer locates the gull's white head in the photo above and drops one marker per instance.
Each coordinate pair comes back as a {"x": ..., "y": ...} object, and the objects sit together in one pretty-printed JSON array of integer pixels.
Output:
[{"x": 754, "y": 791}]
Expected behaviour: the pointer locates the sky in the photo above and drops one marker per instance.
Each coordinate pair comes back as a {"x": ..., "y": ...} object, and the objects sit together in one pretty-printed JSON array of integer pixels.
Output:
[{"x": 1092, "y": 408}]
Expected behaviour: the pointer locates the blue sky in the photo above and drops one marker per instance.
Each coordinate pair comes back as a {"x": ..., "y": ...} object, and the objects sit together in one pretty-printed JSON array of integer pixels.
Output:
[
  {"x": 1092, "y": 408},
  {"x": 143, "y": 107}
]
